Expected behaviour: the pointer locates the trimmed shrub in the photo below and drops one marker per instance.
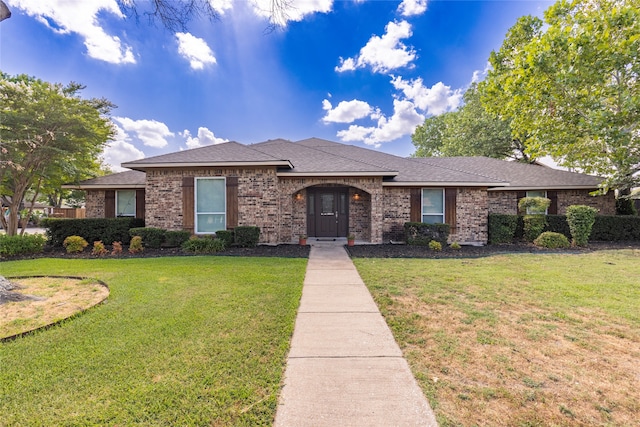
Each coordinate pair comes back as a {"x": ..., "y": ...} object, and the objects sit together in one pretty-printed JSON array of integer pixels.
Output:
[
  {"x": 502, "y": 228},
  {"x": 580, "y": 219},
  {"x": 247, "y": 236},
  {"x": 534, "y": 225},
  {"x": 625, "y": 206},
  {"x": 227, "y": 236},
  {"x": 455, "y": 246},
  {"x": 551, "y": 240},
  {"x": 116, "y": 248},
  {"x": 616, "y": 228},
  {"x": 135, "y": 245},
  {"x": 21, "y": 245},
  {"x": 558, "y": 224},
  {"x": 90, "y": 229},
  {"x": 203, "y": 245},
  {"x": 175, "y": 239},
  {"x": 152, "y": 237},
  {"x": 537, "y": 205},
  {"x": 435, "y": 246},
  {"x": 75, "y": 244},
  {"x": 419, "y": 233},
  {"x": 99, "y": 249}
]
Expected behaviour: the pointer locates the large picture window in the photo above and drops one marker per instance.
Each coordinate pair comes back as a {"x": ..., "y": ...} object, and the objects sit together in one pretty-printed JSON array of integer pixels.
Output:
[
  {"x": 126, "y": 203},
  {"x": 433, "y": 205},
  {"x": 211, "y": 205},
  {"x": 532, "y": 211}
]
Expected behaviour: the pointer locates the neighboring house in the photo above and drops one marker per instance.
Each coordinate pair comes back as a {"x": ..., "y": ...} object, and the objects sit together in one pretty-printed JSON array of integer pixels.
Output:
[{"x": 326, "y": 189}]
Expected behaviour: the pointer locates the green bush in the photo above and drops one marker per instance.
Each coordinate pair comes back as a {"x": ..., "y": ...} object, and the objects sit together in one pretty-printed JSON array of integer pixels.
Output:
[
  {"x": 419, "y": 233},
  {"x": 152, "y": 237},
  {"x": 558, "y": 224},
  {"x": 247, "y": 236},
  {"x": 75, "y": 244},
  {"x": 21, "y": 245},
  {"x": 625, "y": 206},
  {"x": 502, "y": 228},
  {"x": 135, "y": 245},
  {"x": 175, "y": 239},
  {"x": 455, "y": 246},
  {"x": 99, "y": 249},
  {"x": 203, "y": 245},
  {"x": 616, "y": 228},
  {"x": 581, "y": 219},
  {"x": 536, "y": 205},
  {"x": 552, "y": 240},
  {"x": 435, "y": 246},
  {"x": 90, "y": 229},
  {"x": 227, "y": 236},
  {"x": 534, "y": 225}
]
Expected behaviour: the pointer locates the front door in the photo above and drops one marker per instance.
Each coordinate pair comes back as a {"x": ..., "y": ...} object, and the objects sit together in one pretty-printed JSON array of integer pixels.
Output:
[{"x": 329, "y": 212}]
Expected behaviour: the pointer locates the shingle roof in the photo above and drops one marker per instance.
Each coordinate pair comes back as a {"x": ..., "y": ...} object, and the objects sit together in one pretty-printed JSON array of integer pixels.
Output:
[
  {"x": 126, "y": 179},
  {"x": 318, "y": 157},
  {"x": 225, "y": 154}
]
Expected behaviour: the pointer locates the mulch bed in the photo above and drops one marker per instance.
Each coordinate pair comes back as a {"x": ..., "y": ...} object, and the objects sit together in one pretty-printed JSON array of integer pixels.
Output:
[{"x": 358, "y": 251}]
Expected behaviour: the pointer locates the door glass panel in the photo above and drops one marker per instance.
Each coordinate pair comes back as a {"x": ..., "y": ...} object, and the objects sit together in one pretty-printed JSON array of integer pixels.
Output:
[
  {"x": 311, "y": 205},
  {"x": 343, "y": 204},
  {"x": 326, "y": 204}
]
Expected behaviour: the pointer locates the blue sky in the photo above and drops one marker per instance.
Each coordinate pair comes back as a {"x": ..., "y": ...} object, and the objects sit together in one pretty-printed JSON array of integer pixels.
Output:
[{"x": 360, "y": 72}]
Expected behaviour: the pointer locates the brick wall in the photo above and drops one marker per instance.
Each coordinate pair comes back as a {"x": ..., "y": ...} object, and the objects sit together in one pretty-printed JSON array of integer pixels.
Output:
[
  {"x": 472, "y": 205},
  {"x": 506, "y": 202},
  {"x": 397, "y": 203},
  {"x": 94, "y": 204},
  {"x": 257, "y": 198}
]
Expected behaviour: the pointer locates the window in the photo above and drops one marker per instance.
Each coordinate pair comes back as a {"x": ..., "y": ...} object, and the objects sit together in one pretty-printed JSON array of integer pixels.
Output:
[
  {"x": 532, "y": 211},
  {"x": 126, "y": 203},
  {"x": 211, "y": 205},
  {"x": 433, "y": 205}
]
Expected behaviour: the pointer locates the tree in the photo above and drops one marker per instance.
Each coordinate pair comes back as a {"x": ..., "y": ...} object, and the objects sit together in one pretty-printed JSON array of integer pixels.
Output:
[
  {"x": 470, "y": 131},
  {"x": 570, "y": 83},
  {"x": 47, "y": 133}
]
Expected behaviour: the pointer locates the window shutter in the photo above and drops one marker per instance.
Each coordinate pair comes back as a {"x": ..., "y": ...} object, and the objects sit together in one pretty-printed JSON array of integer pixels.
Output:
[
  {"x": 519, "y": 195},
  {"x": 232, "y": 201},
  {"x": 450, "y": 200},
  {"x": 553, "y": 207},
  {"x": 140, "y": 204},
  {"x": 415, "y": 213},
  {"x": 187, "y": 203},
  {"x": 110, "y": 204}
]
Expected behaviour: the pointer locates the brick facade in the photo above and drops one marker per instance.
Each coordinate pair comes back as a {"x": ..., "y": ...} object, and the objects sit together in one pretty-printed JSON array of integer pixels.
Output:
[
  {"x": 472, "y": 220},
  {"x": 94, "y": 204},
  {"x": 506, "y": 202},
  {"x": 397, "y": 202}
]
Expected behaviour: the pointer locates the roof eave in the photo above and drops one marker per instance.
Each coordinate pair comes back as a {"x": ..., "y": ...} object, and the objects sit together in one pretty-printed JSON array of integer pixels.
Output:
[
  {"x": 103, "y": 186},
  {"x": 335, "y": 174},
  {"x": 442, "y": 184},
  {"x": 545, "y": 187}
]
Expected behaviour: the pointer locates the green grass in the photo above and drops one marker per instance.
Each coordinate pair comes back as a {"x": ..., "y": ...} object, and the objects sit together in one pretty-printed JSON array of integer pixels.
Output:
[
  {"x": 180, "y": 341},
  {"x": 519, "y": 339}
]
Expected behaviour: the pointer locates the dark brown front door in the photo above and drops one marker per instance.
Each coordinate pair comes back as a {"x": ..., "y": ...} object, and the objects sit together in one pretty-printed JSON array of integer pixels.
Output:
[{"x": 328, "y": 213}]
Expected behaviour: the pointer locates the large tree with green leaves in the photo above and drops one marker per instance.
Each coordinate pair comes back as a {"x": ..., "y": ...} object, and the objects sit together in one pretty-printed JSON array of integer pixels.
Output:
[
  {"x": 570, "y": 85},
  {"x": 48, "y": 134},
  {"x": 470, "y": 131}
]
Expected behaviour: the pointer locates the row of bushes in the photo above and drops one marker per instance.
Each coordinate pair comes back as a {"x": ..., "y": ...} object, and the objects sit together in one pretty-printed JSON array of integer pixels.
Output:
[
  {"x": 508, "y": 228},
  {"x": 91, "y": 229},
  {"x": 21, "y": 245}
]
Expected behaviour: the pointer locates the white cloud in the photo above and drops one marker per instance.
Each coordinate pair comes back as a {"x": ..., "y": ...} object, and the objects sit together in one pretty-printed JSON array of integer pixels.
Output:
[
  {"x": 280, "y": 13},
  {"x": 120, "y": 150},
  {"x": 205, "y": 137},
  {"x": 195, "y": 50},
  {"x": 221, "y": 6},
  {"x": 435, "y": 100},
  {"x": 81, "y": 17},
  {"x": 385, "y": 53},
  {"x": 412, "y": 7},
  {"x": 151, "y": 132},
  {"x": 346, "y": 111},
  {"x": 403, "y": 122},
  {"x": 348, "y": 64}
]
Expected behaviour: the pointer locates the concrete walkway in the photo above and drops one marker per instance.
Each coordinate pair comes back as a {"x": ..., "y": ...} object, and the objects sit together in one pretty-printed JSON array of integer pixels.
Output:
[{"x": 344, "y": 366}]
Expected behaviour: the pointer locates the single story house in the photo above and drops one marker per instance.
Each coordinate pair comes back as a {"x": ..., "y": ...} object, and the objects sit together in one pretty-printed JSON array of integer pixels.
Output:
[{"x": 322, "y": 188}]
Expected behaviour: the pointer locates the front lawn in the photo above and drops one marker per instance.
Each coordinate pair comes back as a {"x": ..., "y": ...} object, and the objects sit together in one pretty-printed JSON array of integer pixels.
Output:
[
  {"x": 180, "y": 341},
  {"x": 519, "y": 340}
]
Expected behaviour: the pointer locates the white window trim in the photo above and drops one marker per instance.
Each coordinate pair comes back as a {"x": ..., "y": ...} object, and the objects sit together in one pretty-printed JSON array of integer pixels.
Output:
[
  {"x": 422, "y": 214},
  {"x": 546, "y": 211},
  {"x": 135, "y": 202},
  {"x": 195, "y": 203}
]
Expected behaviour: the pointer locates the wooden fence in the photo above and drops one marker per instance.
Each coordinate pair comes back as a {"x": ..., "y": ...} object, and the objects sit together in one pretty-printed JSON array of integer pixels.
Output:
[{"x": 68, "y": 213}]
